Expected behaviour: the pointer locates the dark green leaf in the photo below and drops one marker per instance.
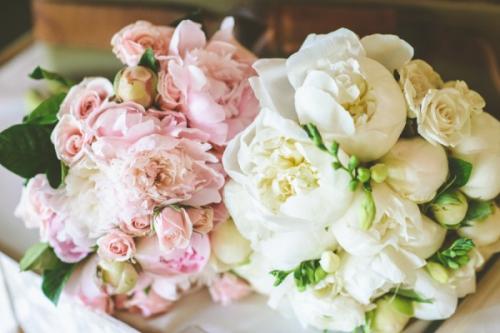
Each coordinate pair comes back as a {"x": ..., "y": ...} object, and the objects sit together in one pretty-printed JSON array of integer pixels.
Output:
[
  {"x": 38, "y": 257},
  {"x": 410, "y": 295},
  {"x": 148, "y": 60},
  {"x": 460, "y": 172},
  {"x": 54, "y": 173},
  {"x": 54, "y": 280},
  {"x": 478, "y": 210},
  {"x": 46, "y": 112},
  {"x": 41, "y": 74},
  {"x": 26, "y": 149}
]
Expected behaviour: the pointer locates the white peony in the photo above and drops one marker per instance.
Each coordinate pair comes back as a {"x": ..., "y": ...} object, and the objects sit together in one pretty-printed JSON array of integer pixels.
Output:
[
  {"x": 336, "y": 85},
  {"x": 464, "y": 279},
  {"x": 416, "y": 78},
  {"x": 482, "y": 149},
  {"x": 483, "y": 232},
  {"x": 285, "y": 190},
  {"x": 416, "y": 169}
]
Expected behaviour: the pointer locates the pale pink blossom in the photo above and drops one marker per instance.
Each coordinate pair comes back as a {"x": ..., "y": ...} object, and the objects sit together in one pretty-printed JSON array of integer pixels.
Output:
[
  {"x": 202, "y": 219},
  {"x": 181, "y": 261},
  {"x": 169, "y": 96},
  {"x": 137, "y": 226},
  {"x": 227, "y": 288},
  {"x": 65, "y": 246},
  {"x": 86, "y": 97},
  {"x": 85, "y": 286},
  {"x": 34, "y": 208},
  {"x": 130, "y": 43},
  {"x": 116, "y": 246},
  {"x": 70, "y": 139},
  {"x": 173, "y": 228},
  {"x": 160, "y": 170}
]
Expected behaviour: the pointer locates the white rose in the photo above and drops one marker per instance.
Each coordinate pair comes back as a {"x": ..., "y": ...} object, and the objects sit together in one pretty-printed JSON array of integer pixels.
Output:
[
  {"x": 288, "y": 188},
  {"x": 416, "y": 169},
  {"x": 482, "y": 149},
  {"x": 340, "y": 313},
  {"x": 443, "y": 296},
  {"x": 416, "y": 78},
  {"x": 336, "y": 85},
  {"x": 483, "y": 232},
  {"x": 445, "y": 116}
]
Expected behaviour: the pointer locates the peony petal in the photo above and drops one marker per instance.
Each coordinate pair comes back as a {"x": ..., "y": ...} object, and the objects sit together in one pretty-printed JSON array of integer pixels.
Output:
[
  {"x": 390, "y": 50},
  {"x": 187, "y": 36}
]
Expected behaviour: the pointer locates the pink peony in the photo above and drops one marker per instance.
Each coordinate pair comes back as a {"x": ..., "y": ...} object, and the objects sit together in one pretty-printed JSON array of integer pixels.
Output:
[
  {"x": 70, "y": 139},
  {"x": 173, "y": 229},
  {"x": 33, "y": 207},
  {"x": 228, "y": 288},
  {"x": 86, "y": 97},
  {"x": 213, "y": 80},
  {"x": 161, "y": 170},
  {"x": 137, "y": 226},
  {"x": 130, "y": 43},
  {"x": 67, "y": 248},
  {"x": 116, "y": 246},
  {"x": 181, "y": 261},
  {"x": 85, "y": 286},
  {"x": 202, "y": 219}
]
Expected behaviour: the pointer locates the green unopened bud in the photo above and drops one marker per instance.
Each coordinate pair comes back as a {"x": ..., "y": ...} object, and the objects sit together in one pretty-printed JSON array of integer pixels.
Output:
[
  {"x": 379, "y": 172},
  {"x": 363, "y": 175},
  {"x": 367, "y": 211},
  {"x": 319, "y": 274},
  {"x": 391, "y": 314},
  {"x": 353, "y": 163},
  {"x": 336, "y": 165},
  {"x": 335, "y": 148},
  {"x": 136, "y": 84},
  {"x": 450, "y": 208},
  {"x": 329, "y": 261},
  {"x": 120, "y": 275},
  {"x": 437, "y": 272},
  {"x": 353, "y": 184}
]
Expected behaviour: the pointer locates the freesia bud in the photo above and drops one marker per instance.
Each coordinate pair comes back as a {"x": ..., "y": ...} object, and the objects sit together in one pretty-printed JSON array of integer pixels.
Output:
[
  {"x": 367, "y": 211},
  {"x": 136, "y": 84},
  {"x": 329, "y": 261},
  {"x": 450, "y": 208},
  {"x": 228, "y": 245},
  {"x": 120, "y": 275},
  {"x": 437, "y": 271},
  {"x": 391, "y": 315},
  {"x": 379, "y": 172}
]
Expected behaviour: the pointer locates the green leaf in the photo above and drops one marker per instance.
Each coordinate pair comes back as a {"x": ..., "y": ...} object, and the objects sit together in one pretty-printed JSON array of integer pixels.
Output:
[
  {"x": 41, "y": 74},
  {"x": 38, "y": 257},
  {"x": 460, "y": 172},
  {"x": 410, "y": 295},
  {"x": 279, "y": 276},
  {"x": 403, "y": 305},
  {"x": 54, "y": 280},
  {"x": 314, "y": 134},
  {"x": 26, "y": 149},
  {"x": 148, "y": 60},
  {"x": 456, "y": 256},
  {"x": 479, "y": 210},
  {"x": 46, "y": 112}
]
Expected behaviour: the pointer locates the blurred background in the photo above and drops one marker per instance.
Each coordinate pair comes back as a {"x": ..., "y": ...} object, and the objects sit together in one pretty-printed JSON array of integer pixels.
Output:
[{"x": 461, "y": 39}]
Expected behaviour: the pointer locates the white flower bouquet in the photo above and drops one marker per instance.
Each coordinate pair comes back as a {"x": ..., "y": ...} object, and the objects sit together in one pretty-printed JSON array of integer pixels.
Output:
[{"x": 349, "y": 182}]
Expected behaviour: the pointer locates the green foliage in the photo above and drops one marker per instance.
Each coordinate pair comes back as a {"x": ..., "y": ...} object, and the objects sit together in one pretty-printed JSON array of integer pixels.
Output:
[
  {"x": 46, "y": 112},
  {"x": 42, "y": 74},
  {"x": 148, "y": 60},
  {"x": 306, "y": 273},
  {"x": 456, "y": 256}
]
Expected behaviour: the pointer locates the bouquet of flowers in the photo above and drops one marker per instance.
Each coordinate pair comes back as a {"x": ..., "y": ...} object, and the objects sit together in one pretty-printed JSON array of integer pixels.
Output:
[{"x": 349, "y": 182}]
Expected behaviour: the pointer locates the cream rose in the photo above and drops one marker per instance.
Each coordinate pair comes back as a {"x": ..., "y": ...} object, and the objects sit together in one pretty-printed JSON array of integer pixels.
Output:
[
  {"x": 416, "y": 169},
  {"x": 483, "y": 232},
  {"x": 416, "y": 78}
]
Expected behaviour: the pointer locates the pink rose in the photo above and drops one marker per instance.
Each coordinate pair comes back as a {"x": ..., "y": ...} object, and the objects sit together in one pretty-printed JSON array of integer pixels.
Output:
[
  {"x": 173, "y": 229},
  {"x": 116, "y": 246},
  {"x": 181, "y": 261},
  {"x": 70, "y": 139},
  {"x": 130, "y": 43},
  {"x": 202, "y": 219},
  {"x": 228, "y": 288},
  {"x": 213, "y": 80},
  {"x": 169, "y": 96},
  {"x": 163, "y": 170},
  {"x": 137, "y": 226},
  {"x": 33, "y": 207},
  {"x": 86, "y": 287},
  {"x": 86, "y": 97}
]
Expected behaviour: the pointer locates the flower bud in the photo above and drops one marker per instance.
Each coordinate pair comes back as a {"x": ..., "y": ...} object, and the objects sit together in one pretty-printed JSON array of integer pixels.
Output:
[
  {"x": 450, "y": 208},
  {"x": 437, "y": 271},
  {"x": 329, "y": 261},
  {"x": 228, "y": 245},
  {"x": 379, "y": 172},
  {"x": 367, "y": 211},
  {"x": 120, "y": 275},
  {"x": 391, "y": 315},
  {"x": 363, "y": 175},
  {"x": 136, "y": 84}
]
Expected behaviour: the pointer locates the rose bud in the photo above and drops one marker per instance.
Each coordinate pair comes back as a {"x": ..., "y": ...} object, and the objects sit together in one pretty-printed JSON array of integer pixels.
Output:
[
  {"x": 391, "y": 314},
  {"x": 450, "y": 208},
  {"x": 136, "y": 84},
  {"x": 120, "y": 275},
  {"x": 228, "y": 245}
]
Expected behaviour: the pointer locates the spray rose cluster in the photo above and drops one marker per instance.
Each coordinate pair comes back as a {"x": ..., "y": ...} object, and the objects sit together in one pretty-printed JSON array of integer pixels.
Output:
[{"x": 143, "y": 185}]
